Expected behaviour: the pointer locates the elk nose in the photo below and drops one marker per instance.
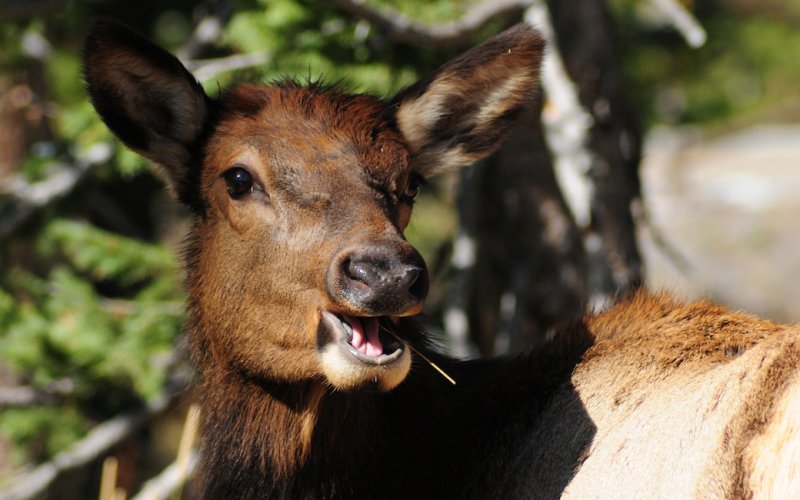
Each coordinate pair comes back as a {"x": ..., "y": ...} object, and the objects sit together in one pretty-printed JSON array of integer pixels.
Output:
[
  {"x": 386, "y": 279},
  {"x": 382, "y": 281}
]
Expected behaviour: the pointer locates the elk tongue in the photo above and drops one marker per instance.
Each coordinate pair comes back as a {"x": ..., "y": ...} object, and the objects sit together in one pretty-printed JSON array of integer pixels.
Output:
[
  {"x": 365, "y": 335},
  {"x": 374, "y": 346}
]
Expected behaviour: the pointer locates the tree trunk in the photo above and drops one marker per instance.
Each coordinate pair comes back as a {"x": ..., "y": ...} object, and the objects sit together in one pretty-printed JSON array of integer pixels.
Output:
[
  {"x": 523, "y": 265},
  {"x": 585, "y": 39},
  {"x": 527, "y": 274}
]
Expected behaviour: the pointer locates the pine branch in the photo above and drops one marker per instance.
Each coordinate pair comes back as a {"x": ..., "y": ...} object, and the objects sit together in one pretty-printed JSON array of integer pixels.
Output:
[
  {"x": 402, "y": 29},
  {"x": 36, "y": 482},
  {"x": 28, "y": 198}
]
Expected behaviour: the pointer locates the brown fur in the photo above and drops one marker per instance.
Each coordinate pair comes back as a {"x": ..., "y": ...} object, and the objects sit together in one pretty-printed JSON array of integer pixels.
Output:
[
  {"x": 652, "y": 399},
  {"x": 679, "y": 396}
]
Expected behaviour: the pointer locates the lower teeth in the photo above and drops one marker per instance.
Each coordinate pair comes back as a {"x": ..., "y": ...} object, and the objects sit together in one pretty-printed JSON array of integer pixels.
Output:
[{"x": 349, "y": 330}]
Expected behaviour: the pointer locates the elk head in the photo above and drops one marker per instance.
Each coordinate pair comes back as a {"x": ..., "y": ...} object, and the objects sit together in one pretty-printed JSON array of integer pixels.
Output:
[{"x": 297, "y": 265}]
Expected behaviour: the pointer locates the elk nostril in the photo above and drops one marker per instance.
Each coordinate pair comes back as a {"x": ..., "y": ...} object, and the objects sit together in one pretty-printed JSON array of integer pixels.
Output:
[
  {"x": 357, "y": 271},
  {"x": 418, "y": 283}
]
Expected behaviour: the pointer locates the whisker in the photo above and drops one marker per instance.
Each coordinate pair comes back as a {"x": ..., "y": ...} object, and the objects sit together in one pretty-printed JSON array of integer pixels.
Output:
[{"x": 434, "y": 365}]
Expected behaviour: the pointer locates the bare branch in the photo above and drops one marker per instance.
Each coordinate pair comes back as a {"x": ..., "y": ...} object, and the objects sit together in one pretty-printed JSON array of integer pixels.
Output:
[
  {"x": 402, "y": 29},
  {"x": 22, "y": 9},
  {"x": 123, "y": 307},
  {"x": 207, "y": 31},
  {"x": 23, "y": 396},
  {"x": 169, "y": 481},
  {"x": 209, "y": 68},
  {"x": 781, "y": 10},
  {"x": 98, "y": 442},
  {"x": 63, "y": 178},
  {"x": 678, "y": 16}
]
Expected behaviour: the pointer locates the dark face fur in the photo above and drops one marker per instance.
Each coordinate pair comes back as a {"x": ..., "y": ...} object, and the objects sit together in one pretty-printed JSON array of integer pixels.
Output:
[{"x": 298, "y": 268}]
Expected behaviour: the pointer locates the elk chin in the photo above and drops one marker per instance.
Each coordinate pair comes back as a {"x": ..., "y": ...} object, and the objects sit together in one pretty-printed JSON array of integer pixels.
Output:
[{"x": 355, "y": 355}]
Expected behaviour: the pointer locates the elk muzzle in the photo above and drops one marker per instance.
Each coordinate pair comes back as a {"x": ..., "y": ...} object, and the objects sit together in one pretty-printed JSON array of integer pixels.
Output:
[{"x": 383, "y": 279}]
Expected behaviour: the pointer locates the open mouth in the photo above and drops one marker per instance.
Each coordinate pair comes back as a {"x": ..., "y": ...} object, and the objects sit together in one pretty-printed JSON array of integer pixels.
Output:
[{"x": 368, "y": 339}]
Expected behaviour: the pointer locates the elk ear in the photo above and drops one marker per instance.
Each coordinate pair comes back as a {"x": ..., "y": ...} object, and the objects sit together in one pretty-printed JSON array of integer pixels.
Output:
[
  {"x": 464, "y": 110},
  {"x": 146, "y": 97}
]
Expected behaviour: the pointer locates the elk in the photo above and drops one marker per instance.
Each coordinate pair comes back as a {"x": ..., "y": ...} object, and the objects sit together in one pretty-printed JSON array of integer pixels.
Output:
[{"x": 302, "y": 292}]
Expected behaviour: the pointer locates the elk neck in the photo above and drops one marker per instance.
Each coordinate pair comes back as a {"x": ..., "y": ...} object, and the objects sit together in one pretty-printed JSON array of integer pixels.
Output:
[{"x": 301, "y": 439}]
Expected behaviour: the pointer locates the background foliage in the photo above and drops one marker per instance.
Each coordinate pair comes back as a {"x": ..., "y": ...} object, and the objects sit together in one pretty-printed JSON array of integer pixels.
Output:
[{"x": 90, "y": 295}]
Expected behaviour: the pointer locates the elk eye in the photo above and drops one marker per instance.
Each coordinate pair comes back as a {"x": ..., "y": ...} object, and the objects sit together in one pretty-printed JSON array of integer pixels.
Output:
[
  {"x": 412, "y": 190},
  {"x": 239, "y": 182}
]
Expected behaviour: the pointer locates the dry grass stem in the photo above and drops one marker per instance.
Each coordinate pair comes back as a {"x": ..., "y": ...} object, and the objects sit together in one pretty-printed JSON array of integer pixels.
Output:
[
  {"x": 108, "y": 479},
  {"x": 434, "y": 365},
  {"x": 186, "y": 444}
]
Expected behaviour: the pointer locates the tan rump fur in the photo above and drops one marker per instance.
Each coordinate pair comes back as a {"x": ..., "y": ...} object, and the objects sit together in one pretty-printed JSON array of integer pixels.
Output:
[
  {"x": 773, "y": 456},
  {"x": 690, "y": 400}
]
